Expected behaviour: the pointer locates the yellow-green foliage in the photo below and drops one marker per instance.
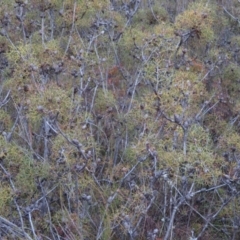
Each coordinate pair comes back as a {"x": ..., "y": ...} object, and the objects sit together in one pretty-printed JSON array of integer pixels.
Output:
[
  {"x": 34, "y": 53},
  {"x": 235, "y": 41},
  {"x": 199, "y": 17},
  {"x": 230, "y": 139},
  {"x": 118, "y": 20},
  {"x": 83, "y": 10},
  {"x": 4, "y": 44},
  {"x": 6, "y": 4},
  {"x": 146, "y": 17},
  {"x": 170, "y": 159},
  {"x": 130, "y": 155},
  {"x": 231, "y": 74},
  {"x": 230, "y": 80},
  {"x": 132, "y": 37},
  {"x": 125, "y": 88},
  {"x": 48, "y": 53},
  {"x": 5, "y": 198},
  {"x": 13, "y": 155},
  {"x": 103, "y": 101},
  {"x": 59, "y": 142},
  {"x": 131, "y": 126},
  {"x": 107, "y": 227},
  {"x": 52, "y": 100},
  {"x": 200, "y": 138},
  {"x": 186, "y": 87},
  {"x": 28, "y": 173},
  {"x": 21, "y": 168},
  {"x": 25, "y": 57},
  {"x": 21, "y": 52},
  {"x": 5, "y": 120},
  {"x": 207, "y": 166},
  {"x": 166, "y": 30}
]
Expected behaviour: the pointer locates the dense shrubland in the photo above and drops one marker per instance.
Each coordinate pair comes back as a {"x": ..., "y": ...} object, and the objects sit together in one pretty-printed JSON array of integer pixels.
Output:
[{"x": 119, "y": 119}]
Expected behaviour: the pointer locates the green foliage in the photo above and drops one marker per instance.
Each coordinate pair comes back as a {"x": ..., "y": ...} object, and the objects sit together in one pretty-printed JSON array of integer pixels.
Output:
[
  {"x": 22, "y": 52},
  {"x": 198, "y": 17},
  {"x": 5, "y": 121},
  {"x": 109, "y": 110},
  {"x": 231, "y": 78},
  {"x": 235, "y": 40},
  {"x": 146, "y": 17},
  {"x": 199, "y": 22},
  {"x": 103, "y": 101},
  {"x": 184, "y": 87},
  {"x": 28, "y": 174},
  {"x": 5, "y": 199},
  {"x": 53, "y": 100},
  {"x": 203, "y": 138},
  {"x": 130, "y": 155},
  {"x": 5, "y": 4},
  {"x": 229, "y": 140}
]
